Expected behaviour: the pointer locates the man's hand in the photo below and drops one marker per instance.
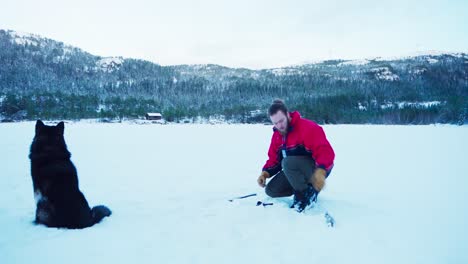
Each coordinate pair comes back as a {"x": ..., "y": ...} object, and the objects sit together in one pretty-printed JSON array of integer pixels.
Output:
[
  {"x": 318, "y": 179},
  {"x": 262, "y": 178}
]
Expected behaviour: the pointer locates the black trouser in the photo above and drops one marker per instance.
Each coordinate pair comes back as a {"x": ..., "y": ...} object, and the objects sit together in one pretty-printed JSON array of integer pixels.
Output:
[{"x": 295, "y": 175}]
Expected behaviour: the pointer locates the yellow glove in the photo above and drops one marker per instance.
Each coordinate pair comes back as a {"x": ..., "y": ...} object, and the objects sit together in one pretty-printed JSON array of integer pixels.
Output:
[
  {"x": 318, "y": 179},
  {"x": 262, "y": 178}
]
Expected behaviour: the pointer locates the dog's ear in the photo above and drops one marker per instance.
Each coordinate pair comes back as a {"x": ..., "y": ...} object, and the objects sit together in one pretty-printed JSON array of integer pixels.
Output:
[
  {"x": 61, "y": 127},
  {"x": 39, "y": 126}
]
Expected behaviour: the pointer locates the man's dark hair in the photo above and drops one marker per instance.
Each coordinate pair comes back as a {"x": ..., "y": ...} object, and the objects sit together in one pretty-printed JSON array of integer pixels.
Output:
[{"x": 277, "y": 105}]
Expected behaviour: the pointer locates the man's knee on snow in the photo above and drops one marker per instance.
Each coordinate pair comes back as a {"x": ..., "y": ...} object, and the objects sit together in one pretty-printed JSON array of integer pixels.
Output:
[
  {"x": 270, "y": 191},
  {"x": 273, "y": 192}
]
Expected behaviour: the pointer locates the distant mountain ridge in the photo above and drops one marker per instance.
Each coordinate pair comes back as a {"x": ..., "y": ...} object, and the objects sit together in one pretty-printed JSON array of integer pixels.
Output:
[{"x": 36, "y": 70}]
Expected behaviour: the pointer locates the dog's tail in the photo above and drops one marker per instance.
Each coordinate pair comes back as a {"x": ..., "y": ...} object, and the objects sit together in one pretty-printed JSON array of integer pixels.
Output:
[{"x": 99, "y": 212}]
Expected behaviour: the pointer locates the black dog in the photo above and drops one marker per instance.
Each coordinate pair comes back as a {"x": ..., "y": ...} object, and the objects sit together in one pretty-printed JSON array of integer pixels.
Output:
[{"x": 60, "y": 202}]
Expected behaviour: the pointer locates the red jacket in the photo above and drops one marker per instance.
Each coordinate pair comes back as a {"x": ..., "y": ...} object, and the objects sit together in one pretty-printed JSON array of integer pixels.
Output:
[{"x": 304, "y": 138}]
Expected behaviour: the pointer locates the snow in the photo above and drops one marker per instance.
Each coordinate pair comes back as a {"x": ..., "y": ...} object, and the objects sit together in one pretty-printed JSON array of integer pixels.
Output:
[
  {"x": 404, "y": 104},
  {"x": 256, "y": 112},
  {"x": 102, "y": 107},
  {"x": 412, "y": 55},
  {"x": 278, "y": 72},
  {"x": 313, "y": 61},
  {"x": 398, "y": 195},
  {"x": 387, "y": 105},
  {"x": 22, "y": 38},
  {"x": 67, "y": 50},
  {"x": 361, "y": 107},
  {"x": 201, "y": 67},
  {"x": 419, "y": 104},
  {"x": 428, "y": 53},
  {"x": 284, "y": 71},
  {"x": 384, "y": 73},
  {"x": 436, "y": 53},
  {"x": 109, "y": 64},
  {"x": 354, "y": 62},
  {"x": 418, "y": 71}
]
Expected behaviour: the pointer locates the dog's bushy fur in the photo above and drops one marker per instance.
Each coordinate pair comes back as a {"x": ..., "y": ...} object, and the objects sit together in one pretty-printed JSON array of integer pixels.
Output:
[{"x": 59, "y": 200}]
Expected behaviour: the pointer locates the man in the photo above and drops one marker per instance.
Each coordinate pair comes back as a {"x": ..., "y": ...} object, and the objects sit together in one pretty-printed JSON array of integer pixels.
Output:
[{"x": 300, "y": 157}]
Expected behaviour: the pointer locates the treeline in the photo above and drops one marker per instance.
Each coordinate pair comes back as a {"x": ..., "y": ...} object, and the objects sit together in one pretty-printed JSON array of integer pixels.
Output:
[
  {"x": 342, "y": 110},
  {"x": 339, "y": 109}
]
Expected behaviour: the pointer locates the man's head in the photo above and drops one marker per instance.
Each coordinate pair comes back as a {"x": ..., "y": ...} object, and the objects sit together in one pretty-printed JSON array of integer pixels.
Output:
[{"x": 279, "y": 115}]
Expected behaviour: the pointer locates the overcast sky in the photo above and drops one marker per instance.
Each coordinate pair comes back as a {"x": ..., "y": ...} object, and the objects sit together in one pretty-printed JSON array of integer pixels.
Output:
[{"x": 245, "y": 33}]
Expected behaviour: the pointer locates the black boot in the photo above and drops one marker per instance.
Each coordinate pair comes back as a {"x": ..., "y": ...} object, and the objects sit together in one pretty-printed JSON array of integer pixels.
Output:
[{"x": 304, "y": 198}]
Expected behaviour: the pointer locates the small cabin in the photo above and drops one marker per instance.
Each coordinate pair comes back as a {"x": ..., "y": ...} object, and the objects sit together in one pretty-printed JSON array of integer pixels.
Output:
[{"x": 153, "y": 116}]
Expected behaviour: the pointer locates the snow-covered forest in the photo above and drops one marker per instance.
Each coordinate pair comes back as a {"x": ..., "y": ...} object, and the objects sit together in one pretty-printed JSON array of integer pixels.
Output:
[{"x": 44, "y": 78}]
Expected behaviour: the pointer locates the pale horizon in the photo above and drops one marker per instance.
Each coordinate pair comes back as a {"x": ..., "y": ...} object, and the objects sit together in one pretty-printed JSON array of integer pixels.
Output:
[{"x": 242, "y": 34}]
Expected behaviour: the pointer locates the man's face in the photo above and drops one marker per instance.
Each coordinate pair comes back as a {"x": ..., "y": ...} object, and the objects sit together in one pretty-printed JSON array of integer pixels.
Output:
[{"x": 280, "y": 121}]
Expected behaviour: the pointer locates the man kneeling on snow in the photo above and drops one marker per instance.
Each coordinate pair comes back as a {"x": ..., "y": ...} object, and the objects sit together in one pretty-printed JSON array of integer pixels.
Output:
[{"x": 300, "y": 157}]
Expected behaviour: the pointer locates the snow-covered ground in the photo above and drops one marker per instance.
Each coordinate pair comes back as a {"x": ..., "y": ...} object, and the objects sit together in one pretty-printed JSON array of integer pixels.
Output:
[{"x": 399, "y": 194}]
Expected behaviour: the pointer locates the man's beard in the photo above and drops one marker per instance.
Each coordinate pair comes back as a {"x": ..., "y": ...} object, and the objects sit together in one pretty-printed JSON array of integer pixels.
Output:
[{"x": 286, "y": 129}]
